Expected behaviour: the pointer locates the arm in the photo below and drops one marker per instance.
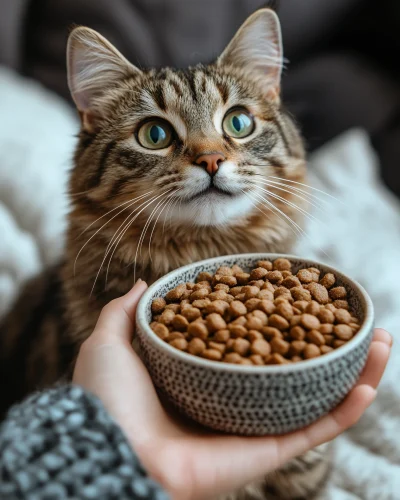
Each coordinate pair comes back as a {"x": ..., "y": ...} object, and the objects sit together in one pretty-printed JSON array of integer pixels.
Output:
[{"x": 62, "y": 444}]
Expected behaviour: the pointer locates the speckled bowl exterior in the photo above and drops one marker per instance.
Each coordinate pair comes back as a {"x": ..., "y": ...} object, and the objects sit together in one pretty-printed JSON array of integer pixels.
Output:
[{"x": 255, "y": 400}]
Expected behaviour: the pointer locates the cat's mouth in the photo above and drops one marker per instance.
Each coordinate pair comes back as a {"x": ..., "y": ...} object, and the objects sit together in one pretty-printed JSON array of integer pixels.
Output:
[{"x": 210, "y": 191}]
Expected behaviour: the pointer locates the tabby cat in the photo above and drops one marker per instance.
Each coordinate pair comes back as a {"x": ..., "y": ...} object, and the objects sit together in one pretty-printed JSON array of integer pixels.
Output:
[{"x": 171, "y": 167}]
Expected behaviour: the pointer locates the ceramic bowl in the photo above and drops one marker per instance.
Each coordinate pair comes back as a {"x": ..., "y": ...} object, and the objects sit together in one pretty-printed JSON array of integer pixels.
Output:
[{"x": 253, "y": 400}]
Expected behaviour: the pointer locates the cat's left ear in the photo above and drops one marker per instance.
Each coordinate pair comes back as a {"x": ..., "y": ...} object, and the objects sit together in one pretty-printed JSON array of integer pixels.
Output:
[{"x": 257, "y": 49}]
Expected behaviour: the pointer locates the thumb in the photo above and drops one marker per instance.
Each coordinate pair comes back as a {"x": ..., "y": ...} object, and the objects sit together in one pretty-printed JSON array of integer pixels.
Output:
[{"x": 117, "y": 319}]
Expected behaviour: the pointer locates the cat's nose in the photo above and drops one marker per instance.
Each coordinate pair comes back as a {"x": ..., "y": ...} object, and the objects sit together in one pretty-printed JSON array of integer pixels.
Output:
[{"x": 210, "y": 162}]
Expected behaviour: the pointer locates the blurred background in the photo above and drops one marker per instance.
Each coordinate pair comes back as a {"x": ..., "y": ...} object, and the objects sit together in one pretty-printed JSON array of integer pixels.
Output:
[{"x": 342, "y": 85}]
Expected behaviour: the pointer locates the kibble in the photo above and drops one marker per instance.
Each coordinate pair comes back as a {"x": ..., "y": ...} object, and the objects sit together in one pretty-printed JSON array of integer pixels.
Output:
[{"x": 266, "y": 316}]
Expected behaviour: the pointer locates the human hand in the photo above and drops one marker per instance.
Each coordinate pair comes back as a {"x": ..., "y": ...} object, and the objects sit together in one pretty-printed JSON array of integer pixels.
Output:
[{"x": 189, "y": 463}]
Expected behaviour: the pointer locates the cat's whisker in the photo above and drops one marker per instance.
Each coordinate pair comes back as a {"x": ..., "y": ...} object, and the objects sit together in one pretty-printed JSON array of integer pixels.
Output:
[
  {"x": 146, "y": 203},
  {"x": 307, "y": 200},
  {"x": 122, "y": 234},
  {"x": 309, "y": 187},
  {"x": 169, "y": 199},
  {"x": 175, "y": 201},
  {"x": 129, "y": 204},
  {"x": 292, "y": 205},
  {"x": 292, "y": 224}
]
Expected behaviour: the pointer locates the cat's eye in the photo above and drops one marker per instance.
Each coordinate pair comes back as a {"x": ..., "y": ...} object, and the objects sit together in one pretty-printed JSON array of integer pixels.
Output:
[
  {"x": 155, "y": 134},
  {"x": 238, "y": 123}
]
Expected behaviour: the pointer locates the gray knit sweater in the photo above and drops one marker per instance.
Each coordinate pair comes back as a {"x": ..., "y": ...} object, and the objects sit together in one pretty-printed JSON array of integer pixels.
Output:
[{"x": 62, "y": 444}]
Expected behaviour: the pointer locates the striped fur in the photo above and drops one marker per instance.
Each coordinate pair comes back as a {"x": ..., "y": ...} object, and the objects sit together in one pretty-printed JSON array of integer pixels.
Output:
[{"x": 115, "y": 181}]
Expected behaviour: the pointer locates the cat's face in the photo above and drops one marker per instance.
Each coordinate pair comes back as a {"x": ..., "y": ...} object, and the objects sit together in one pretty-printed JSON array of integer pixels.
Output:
[{"x": 194, "y": 146}]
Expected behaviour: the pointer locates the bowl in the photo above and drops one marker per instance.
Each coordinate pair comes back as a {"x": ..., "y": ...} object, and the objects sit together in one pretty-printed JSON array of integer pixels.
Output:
[{"x": 253, "y": 400}]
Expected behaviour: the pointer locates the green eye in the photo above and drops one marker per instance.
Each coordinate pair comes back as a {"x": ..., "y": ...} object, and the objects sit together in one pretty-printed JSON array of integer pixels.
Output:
[
  {"x": 238, "y": 123},
  {"x": 155, "y": 134}
]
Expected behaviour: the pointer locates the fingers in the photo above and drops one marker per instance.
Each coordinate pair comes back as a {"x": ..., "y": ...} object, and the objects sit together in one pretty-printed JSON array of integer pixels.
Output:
[
  {"x": 377, "y": 359},
  {"x": 381, "y": 335},
  {"x": 117, "y": 319}
]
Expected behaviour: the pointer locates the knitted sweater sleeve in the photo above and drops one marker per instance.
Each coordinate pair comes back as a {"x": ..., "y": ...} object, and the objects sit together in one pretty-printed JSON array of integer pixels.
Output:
[{"x": 62, "y": 444}]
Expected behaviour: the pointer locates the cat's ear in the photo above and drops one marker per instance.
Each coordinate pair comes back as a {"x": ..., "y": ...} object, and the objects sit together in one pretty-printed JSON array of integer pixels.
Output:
[
  {"x": 93, "y": 65},
  {"x": 257, "y": 49}
]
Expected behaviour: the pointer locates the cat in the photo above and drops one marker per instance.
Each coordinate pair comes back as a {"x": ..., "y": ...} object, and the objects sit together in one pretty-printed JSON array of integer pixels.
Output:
[{"x": 171, "y": 167}]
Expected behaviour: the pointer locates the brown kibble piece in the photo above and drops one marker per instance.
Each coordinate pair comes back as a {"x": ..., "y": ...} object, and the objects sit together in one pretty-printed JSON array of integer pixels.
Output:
[
  {"x": 305, "y": 276},
  {"x": 241, "y": 346},
  {"x": 277, "y": 359},
  {"x": 259, "y": 314},
  {"x": 297, "y": 347},
  {"x": 266, "y": 264},
  {"x": 265, "y": 295},
  {"x": 257, "y": 283},
  {"x": 167, "y": 316},
  {"x": 198, "y": 330},
  {"x": 228, "y": 280},
  {"x": 222, "y": 287},
  {"x": 158, "y": 305},
  {"x": 180, "y": 344},
  {"x": 160, "y": 330},
  {"x": 200, "y": 285},
  {"x": 201, "y": 303},
  {"x": 175, "y": 294},
  {"x": 202, "y": 293},
  {"x": 342, "y": 316},
  {"x": 330, "y": 307},
  {"x": 300, "y": 294},
  {"x": 297, "y": 333},
  {"x": 215, "y": 322},
  {"x": 205, "y": 277},
  {"x": 275, "y": 277},
  {"x": 191, "y": 313},
  {"x": 250, "y": 292},
  {"x": 268, "y": 286},
  {"x": 253, "y": 335},
  {"x": 218, "y": 346},
  {"x": 328, "y": 280},
  {"x": 282, "y": 265},
  {"x": 313, "y": 308},
  {"x": 325, "y": 349},
  {"x": 281, "y": 291},
  {"x": 269, "y": 332},
  {"x": 258, "y": 274},
  {"x": 338, "y": 292},
  {"x": 285, "y": 310},
  {"x": 246, "y": 361},
  {"x": 291, "y": 282},
  {"x": 311, "y": 351},
  {"x": 236, "y": 269},
  {"x": 233, "y": 357},
  {"x": 243, "y": 278},
  {"x": 315, "y": 337},
  {"x": 266, "y": 306},
  {"x": 235, "y": 290},
  {"x": 318, "y": 293},
  {"x": 222, "y": 335},
  {"x": 254, "y": 323},
  {"x": 338, "y": 343},
  {"x": 196, "y": 346},
  {"x": 260, "y": 347},
  {"x": 180, "y": 323},
  {"x": 326, "y": 316},
  {"x": 237, "y": 308},
  {"x": 343, "y": 332},
  {"x": 256, "y": 359},
  {"x": 218, "y": 306},
  {"x": 212, "y": 354},
  {"x": 296, "y": 359},
  {"x": 237, "y": 330},
  {"x": 252, "y": 304},
  {"x": 296, "y": 320},
  {"x": 224, "y": 271},
  {"x": 326, "y": 328},
  {"x": 329, "y": 339},
  {"x": 279, "y": 346},
  {"x": 310, "y": 322},
  {"x": 277, "y": 321},
  {"x": 341, "y": 304},
  {"x": 173, "y": 307}
]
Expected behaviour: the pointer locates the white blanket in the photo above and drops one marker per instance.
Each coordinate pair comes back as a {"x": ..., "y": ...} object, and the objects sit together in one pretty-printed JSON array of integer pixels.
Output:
[{"x": 359, "y": 233}]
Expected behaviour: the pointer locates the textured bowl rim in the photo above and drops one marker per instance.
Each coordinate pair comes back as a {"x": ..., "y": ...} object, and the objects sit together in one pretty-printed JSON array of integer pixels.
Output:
[{"x": 364, "y": 331}]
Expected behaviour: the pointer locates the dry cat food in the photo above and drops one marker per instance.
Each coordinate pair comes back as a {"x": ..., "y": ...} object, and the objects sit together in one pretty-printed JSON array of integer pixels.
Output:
[{"x": 268, "y": 316}]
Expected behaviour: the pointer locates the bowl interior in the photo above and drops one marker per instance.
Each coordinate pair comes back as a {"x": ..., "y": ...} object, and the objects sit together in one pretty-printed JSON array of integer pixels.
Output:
[{"x": 358, "y": 299}]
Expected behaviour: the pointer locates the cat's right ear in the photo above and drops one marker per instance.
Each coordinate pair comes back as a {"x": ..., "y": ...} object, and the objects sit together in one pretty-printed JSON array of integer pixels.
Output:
[{"x": 93, "y": 65}]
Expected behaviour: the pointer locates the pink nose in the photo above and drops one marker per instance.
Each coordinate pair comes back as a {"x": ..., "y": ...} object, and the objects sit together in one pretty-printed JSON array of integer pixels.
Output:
[{"x": 210, "y": 162}]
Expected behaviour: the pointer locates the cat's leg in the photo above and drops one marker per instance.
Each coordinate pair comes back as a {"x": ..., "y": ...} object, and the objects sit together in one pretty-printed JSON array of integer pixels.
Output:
[{"x": 303, "y": 478}]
